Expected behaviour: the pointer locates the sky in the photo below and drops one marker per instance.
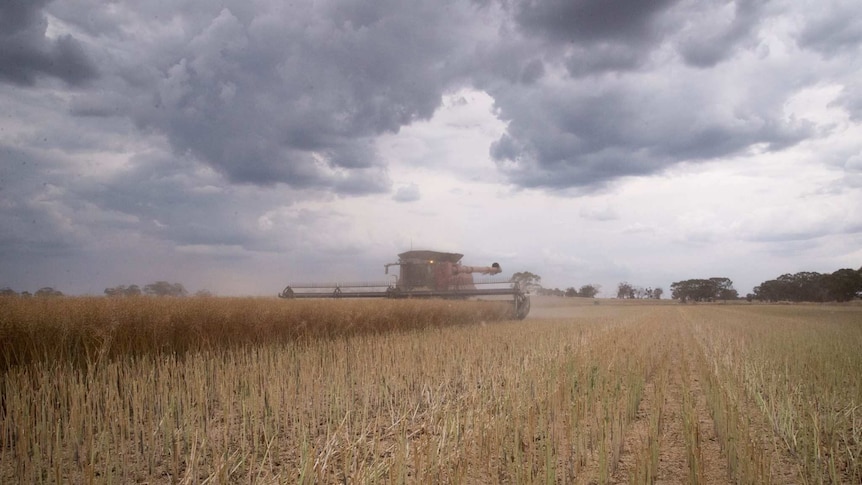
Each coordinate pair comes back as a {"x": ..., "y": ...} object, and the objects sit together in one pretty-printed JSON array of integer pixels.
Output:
[{"x": 241, "y": 145}]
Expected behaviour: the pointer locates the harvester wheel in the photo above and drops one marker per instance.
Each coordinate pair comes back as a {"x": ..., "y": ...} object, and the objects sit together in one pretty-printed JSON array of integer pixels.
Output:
[{"x": 522, "y": 306}]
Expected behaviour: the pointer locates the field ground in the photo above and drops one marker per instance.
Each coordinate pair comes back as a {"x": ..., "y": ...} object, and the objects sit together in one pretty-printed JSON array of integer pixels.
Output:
[{"x": 582, "y": 391}]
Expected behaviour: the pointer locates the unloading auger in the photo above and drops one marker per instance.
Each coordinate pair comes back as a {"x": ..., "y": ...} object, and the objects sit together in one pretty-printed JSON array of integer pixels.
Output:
[{"x": 424, "y": 274}]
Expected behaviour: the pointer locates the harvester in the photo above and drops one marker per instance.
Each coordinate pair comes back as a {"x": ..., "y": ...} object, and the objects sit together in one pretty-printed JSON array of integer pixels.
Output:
[{"x": 424, "y": 274}]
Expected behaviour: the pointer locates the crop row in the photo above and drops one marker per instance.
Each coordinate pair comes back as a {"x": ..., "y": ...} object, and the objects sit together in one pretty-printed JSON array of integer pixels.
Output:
[{"x": 83, "y": 330}]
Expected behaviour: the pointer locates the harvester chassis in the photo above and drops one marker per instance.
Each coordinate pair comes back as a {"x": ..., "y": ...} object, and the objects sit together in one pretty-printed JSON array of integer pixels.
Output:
[
  {"x": 521, "y": 299},
  {"x": 424, "y": 274}
]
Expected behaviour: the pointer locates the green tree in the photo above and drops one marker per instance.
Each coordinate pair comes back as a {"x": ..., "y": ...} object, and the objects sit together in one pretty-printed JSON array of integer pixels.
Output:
[
  {"x": 163, "y": 288},
  {"x": 625, "y": 290},
  {"x": 844, "y": 284},
  {"x": 115, "y": 291},
  {"x": 703, "y": 290},
  {"x": 724, "y": 289},
  {"x": 802, "y": 286},
  {"x": 122, "y": 290},
  {"x": 527, "y": 280},
  {"x": 588, "y": 291},
  {"x": 48, "y": 292}
]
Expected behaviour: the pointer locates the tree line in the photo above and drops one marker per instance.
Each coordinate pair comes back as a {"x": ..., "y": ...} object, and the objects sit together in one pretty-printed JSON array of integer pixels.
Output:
[
  {"x": 626, "y": 290},
  {"x": 842, "y": 285},
  {"x": 159, "y": 288},
  {"x": 41, "y": 292},
  {"x": 533, "y": 282},
  {"x": 709, "y": 289}
]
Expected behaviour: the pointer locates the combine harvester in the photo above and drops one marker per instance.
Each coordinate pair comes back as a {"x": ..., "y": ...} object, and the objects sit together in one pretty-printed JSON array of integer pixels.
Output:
[{"x": 424, "y": 274}]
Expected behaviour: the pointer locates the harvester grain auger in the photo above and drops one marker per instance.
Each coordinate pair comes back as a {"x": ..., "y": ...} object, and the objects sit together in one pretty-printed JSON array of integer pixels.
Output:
[{"x": 424, "y": 274}]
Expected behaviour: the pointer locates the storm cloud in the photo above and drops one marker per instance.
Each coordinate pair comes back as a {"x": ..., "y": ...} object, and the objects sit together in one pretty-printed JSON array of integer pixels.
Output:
[
  {"x": 247, "y": 129},
  {"x": 292, "y": 95},
  {"x": 267, "y": 93},
  {"x": 26, "y": 53}
]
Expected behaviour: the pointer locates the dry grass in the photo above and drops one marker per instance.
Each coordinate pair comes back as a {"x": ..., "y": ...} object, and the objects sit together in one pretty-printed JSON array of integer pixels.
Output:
[{"x": 552, "y": 400}]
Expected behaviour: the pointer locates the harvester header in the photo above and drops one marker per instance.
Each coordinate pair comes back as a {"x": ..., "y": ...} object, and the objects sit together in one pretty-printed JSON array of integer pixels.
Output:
[{"x": 424, "y": 274}]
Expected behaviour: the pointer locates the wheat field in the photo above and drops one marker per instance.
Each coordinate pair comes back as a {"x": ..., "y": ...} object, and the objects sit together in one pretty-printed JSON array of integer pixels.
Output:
[{"x": 220, "y": 390}]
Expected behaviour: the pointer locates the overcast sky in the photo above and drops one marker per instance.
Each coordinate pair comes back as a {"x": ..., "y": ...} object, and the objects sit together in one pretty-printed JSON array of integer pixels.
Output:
[{"x": 237, "y": 146}]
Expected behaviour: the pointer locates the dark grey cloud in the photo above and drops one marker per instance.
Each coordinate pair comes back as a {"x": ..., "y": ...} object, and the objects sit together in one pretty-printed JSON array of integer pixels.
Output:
[
  {"x": 583, "y": 135},
  {"x": 629, "y": 107},
  {"x": 297, "y": 94},
  {"x": 604, "y": 57},
  {"x": 32, "y": 208},
  {"x": 716, "y": 29},
  {"x": 177, "y": 201},
  {"x": 594, "y": 36},
  {"x": 216, "y": 134},
  {"x": 836, "y": 30},
  {"x": 26, "y": 53},
  {"x": 292, "y": 95},
  {"x": 533, "y": 71},
  {"x": 590, "y": 21}
]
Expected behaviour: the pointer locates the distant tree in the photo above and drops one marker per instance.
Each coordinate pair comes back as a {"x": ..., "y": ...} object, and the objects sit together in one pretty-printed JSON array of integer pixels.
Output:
[
  {"x": 724, "y": 289},
  {"x": 548, "y": 291},
  {"x": 122, "y": 290},
  {"x": 770, "y": 290},
  {"x": 802, "y": 286},
  {"x": 204, "y": 293},
  {"x": 571, "y": 291},
  {"x": 657, "y": 293},
  {"x": 25, "y": 294},
  {"x": 48, "y": 292},
  {"x": 163, "y": 288},
  {"x": 703, "y": 290},
  {"x": 692, "y": 290},
  {"x": 588, "y": 291},
  {"x": 841, "y": 285},
  {"x": 625, "y": 290},
  {"x": 844, "y": 284},
  {"x": 527, "y": 280},
  {"x": 6, "y": 291}
]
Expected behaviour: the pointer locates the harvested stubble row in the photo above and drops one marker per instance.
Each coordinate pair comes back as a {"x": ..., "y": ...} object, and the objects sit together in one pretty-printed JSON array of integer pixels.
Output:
[{"x": 598, "y": 394}]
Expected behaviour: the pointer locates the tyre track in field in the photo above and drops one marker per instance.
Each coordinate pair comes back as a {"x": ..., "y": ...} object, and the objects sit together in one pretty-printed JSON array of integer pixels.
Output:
[
  {"x": 626, "y": 335},
  {"x": 672, "y": 467},
  {"x": 633, "y": 465},
  {"x": 712, "y": 459},
  {"x": 780, "y": 466},
  {"x": 657, "y": 449}
]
